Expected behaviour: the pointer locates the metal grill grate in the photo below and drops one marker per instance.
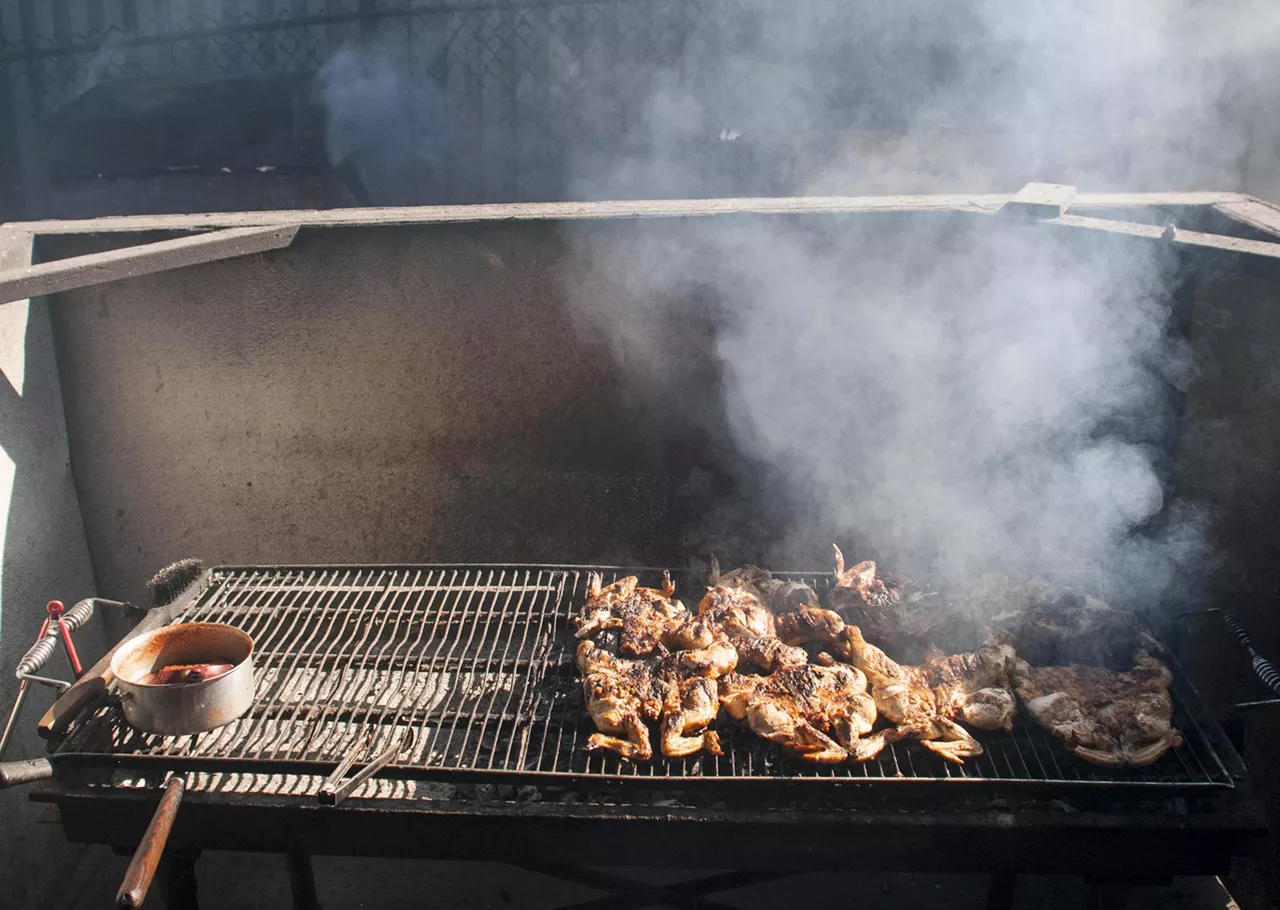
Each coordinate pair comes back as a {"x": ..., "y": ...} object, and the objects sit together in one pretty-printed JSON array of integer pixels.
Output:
[{"x": 478, "y": 662}]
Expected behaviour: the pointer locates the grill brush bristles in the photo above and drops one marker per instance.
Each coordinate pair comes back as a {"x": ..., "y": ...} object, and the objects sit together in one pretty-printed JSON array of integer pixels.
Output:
[{"x": 172, "y": 580}]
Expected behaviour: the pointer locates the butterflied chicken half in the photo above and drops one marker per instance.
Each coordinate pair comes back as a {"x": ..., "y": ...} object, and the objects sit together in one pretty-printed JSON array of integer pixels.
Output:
[
  {"x": 624, "y": 695},
  {"x": 819, "y": 714},
  {"x": 1106, "y": 717},
  {"x": 929, "y": 702}
]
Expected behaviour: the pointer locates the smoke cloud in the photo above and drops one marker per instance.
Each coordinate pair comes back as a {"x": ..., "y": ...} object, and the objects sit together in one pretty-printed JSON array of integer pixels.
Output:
[{"x": 948, "y": 393}]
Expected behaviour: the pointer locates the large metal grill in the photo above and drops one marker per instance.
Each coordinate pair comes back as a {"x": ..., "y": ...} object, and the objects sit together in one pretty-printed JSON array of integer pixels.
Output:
[{"x": 477, "y": 662}]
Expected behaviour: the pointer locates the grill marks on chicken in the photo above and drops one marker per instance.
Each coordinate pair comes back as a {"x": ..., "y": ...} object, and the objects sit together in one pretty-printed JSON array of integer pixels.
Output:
[
  {"x": 624, "y": 695},
  {"x": 819, "y": 714},
  {"x": 927, "y": 702},
  {"x": 748, "y": 625},
  {"x": 677, "y": 668},
  {"x": 650, "y": 618},
  {"x": 1106, "y": 717}
]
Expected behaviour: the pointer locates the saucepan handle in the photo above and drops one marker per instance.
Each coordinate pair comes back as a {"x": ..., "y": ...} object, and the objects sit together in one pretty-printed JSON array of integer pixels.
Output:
[
  {"x": 13, "y": 773},
  {"x": 137, "y": 879}
]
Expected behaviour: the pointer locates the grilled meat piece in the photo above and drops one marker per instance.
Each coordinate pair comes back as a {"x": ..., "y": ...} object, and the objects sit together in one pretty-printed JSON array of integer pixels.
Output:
[
  {"x": 690, "y": 706},
  {"x": 795, "y": 606},
  {"x": 621, "y": 696},
  {"x": 891, "y": 612},
  {"x": 809, "y": 624},
  {"x": 925, "y": 702},
  {"x": 779, "y": 595},
  {"x": 1060, "y": 627},
  {"x": 820, "y": 714},
  {"x": 749, "y": 626},
  {"x": 1109, "y": 718},
  {"x": 651, "y": 619}
]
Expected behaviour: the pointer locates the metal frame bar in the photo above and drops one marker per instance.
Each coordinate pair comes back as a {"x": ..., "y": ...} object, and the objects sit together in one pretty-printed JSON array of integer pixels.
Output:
[
  {"x": 144, "y": 259},
  {"x": 973, "y": 203}
]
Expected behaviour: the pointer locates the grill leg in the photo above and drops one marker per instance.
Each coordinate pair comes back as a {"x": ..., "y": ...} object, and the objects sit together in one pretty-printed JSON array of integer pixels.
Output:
[
  {"x": 177, "y": 877},
  {"x": 1001, "y": 890},
  {"x": 302, "y": 882}
]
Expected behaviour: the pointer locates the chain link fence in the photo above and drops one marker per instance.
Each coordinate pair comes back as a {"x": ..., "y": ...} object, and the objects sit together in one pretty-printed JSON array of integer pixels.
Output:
[{"x": 496, "y": 102}]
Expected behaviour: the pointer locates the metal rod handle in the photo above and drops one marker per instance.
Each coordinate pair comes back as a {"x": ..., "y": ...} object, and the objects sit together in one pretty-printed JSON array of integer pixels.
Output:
[
  {"x": 1262, "y": 668},
  {"x": 39, "y": 653},
  {"x": 37, "y": 656},
  {"x": 82, "y": 612}
]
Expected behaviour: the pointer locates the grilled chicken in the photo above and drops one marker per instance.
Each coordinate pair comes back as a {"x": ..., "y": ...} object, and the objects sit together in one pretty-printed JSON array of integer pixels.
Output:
[
  {"x": 690, "y": 706},
  {"x": 621, "y": 695},
  {"x": 926, "y": 702},
  {"x": 1109, "y": 718},
  {"x": 651, "y": 619},
  {"x": 889, "y": 614},
  {"x": 749, "y": 626},
  {"x": 779, "y": 595},
  {"x": 798, "y": 615},
  {"x": 1059, "y": 627},
  {"x": 820, "y": 714}
]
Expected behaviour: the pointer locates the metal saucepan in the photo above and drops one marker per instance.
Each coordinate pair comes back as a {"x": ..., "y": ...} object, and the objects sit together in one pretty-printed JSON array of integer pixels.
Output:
[
  {"x": 187, "y": 678},
  {"x": 174, "y": 680}
]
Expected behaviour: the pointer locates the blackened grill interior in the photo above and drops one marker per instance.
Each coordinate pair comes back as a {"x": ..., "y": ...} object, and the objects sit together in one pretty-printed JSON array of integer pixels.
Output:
[{"x": 478, "y": 660}]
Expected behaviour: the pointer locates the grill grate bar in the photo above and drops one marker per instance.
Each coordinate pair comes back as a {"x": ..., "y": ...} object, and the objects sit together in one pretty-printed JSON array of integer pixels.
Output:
[{"x": 478, "y": 662}]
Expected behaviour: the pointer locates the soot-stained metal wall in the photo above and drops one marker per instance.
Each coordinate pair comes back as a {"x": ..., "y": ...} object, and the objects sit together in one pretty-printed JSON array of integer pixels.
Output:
[{"x": 370, "y": 395}]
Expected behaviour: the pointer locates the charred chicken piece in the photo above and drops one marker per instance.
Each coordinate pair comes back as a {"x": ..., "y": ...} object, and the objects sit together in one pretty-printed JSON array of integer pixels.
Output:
[
  {"x": 1106, "y": 717},
  {"x": 799, "y": 616},
  {"x": 925, "y": 702},
  {"x": 748, "y": 625},
  {"x": 809, "y": 624},
  {"x": 779, "y": 595},
  {"x": 898, "y": 615},
  {"x": 621, "y": 695},
  {"x": 819, "y": 714},
  {"x": 974, "y": 688},
  {"x": 651, "y": 619},
  {"x": 690, "y": 707},
  {"x": 1059, "y": 627}
]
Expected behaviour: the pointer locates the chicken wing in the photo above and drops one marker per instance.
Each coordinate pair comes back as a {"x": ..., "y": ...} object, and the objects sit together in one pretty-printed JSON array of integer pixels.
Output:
[
  {"x": 894, "y": 613},
  {"x": 1109, "y": 718}
]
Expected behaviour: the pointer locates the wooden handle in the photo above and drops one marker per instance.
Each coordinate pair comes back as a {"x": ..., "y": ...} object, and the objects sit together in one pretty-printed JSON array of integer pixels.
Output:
[
  {"x": 137, "y": 880},
  {"x": 71, "y": 702},
  {"x": 13, "y": 773}
]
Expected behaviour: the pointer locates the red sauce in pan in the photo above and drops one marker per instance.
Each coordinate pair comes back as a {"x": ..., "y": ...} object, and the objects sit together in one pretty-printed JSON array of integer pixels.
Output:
[{"x": 186, "y": 673}]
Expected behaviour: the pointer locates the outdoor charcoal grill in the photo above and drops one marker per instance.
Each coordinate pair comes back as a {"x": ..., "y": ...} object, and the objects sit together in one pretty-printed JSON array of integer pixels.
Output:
[
  {"x": 416, "y": 385},
  {"x": 461, "y": 680}
]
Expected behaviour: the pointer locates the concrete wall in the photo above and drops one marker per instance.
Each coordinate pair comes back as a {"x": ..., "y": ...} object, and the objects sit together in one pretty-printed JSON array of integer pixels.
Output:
[
  {"x": 369, "y": 395},
  {"x": 45, "y": 557}
]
